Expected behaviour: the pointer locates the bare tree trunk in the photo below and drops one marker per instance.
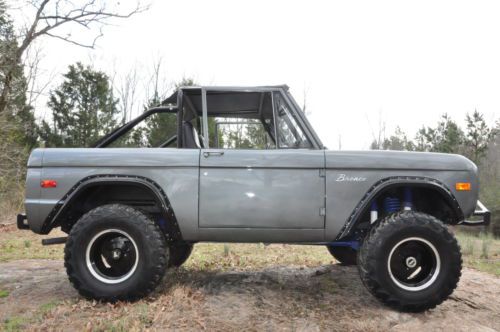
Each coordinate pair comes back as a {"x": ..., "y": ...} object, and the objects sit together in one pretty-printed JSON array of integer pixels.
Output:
[
  {"x": 127, "y": 92},
  {"x": 52, "y": 14}
]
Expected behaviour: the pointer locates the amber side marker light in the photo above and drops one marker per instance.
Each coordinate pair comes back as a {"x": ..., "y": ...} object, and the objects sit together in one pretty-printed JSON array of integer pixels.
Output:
[
  {"x": 462, "y": 186},
  {"x": 48, "y": 183}
]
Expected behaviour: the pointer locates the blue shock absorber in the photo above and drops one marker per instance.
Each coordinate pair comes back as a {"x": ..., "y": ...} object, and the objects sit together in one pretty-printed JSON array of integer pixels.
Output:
[
  {"x": 408, "y": 200},
  {"x": 373, "y": 212},
  {"x": 391, "y": 205}
]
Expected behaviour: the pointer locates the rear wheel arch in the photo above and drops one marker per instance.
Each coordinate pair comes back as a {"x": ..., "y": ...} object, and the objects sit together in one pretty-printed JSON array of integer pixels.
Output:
[
  {"x": 97, "y": 190},
  {"x": 432, "y": 197}
]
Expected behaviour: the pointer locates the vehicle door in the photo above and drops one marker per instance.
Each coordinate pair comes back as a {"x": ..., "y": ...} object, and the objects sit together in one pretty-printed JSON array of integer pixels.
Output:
[{"x": 260, "y": 171}]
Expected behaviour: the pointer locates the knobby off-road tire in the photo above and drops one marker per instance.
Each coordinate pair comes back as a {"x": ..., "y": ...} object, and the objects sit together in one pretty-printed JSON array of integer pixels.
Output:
[
  {"x": 344, "y": 255},
  {"x": 179, "y": 254},
  {"x": 394, "y": 250},
  {"x": 115, "y": 252}
]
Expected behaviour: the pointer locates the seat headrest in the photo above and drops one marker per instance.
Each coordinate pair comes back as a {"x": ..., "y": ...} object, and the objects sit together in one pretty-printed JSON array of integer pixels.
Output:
[{"x": 190, "y": 137}]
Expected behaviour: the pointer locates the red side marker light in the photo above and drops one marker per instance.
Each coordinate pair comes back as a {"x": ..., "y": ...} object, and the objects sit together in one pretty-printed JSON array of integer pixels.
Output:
[{"x": 48, "y": 183}]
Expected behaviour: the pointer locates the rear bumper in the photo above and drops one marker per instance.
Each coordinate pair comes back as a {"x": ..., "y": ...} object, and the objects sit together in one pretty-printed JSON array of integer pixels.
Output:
[
  {"x": 22, "y": 222},
  {"x": 482, "y": 214}
]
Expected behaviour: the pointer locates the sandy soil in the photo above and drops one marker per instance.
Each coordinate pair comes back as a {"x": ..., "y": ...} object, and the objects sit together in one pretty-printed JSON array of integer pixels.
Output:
[{"x": 329, "y": 297}]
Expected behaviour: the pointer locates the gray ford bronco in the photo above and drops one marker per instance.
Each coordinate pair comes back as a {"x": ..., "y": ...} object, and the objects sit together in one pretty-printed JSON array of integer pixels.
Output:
[{"x": 243, "y": 164}]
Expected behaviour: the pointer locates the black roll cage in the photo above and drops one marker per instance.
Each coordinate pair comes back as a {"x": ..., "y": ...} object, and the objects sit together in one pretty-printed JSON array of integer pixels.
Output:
[
  {"x": 115, "y": 134},
  {"x": 178, "y": 108}
]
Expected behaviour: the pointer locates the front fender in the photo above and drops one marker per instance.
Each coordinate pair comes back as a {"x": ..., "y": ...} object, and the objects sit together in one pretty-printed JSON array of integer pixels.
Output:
[{"x": 399, "y": 181}]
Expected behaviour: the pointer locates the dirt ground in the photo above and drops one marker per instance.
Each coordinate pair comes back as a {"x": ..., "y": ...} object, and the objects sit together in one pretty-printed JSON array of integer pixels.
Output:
[
  {"x": 329, "y": 297},
  {"x": 227, "y": 287}
]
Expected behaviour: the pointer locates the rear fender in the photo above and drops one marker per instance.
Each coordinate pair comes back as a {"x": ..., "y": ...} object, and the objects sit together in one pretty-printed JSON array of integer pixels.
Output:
[{"x": 54, "y": 218}]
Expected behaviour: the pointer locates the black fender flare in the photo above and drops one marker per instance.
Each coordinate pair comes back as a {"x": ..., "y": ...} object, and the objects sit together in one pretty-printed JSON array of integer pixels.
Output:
[
  {"x": 172, "y": 233},
  {"x": 399, "y": 181}
]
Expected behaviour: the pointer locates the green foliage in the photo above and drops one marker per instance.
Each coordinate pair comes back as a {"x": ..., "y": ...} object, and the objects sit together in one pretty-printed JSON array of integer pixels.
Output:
[
  {"x": 480, "y": 251},
  {"x": 160, "y": 127},
  {"x": 21, "y": 128},
  {"x": 157, "y": 128},
  {"x": 15, "y": 323},
  {"x": 485, "y": 248},
  {"x": 18, "y": 131},
  {"x": 83, "y": 108},
  {"x": 446, "y": 137},
  {"x": 397, "y": 141},
  {"x": 479, "y": 142},
  {"x": 478, "y": 136},
  {"x": 3, "y": 293}
]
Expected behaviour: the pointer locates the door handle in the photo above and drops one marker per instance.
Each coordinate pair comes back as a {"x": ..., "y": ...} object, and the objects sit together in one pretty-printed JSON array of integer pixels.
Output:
[{"x": 207, "y": 154}]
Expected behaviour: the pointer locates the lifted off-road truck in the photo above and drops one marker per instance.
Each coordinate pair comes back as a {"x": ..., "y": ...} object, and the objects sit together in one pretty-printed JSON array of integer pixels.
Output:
[{"x": 136, "y": 203}]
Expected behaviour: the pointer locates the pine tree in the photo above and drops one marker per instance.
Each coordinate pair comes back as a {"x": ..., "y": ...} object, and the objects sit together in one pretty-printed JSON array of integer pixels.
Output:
[
  {"x": 446, "y": 137},
  {"x": 160, "y": 127},
  {"x": 83, "y": 108},
  {"x": 19, "y": 115},
  {"x": 477, "y": 136},
  {"x": 17, "y": 124}
]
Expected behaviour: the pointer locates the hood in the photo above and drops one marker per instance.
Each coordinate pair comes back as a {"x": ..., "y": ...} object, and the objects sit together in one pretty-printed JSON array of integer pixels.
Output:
[{"x": 401, "y": 160}]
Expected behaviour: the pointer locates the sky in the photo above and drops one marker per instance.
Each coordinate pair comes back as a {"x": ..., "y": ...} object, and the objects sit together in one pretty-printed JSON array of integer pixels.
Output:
[{"x": 358, "y": 63}]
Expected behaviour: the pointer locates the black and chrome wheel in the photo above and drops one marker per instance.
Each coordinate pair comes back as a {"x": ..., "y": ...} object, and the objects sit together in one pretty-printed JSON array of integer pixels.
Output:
[
  {"x": 410, "y": 261},
  {"x": 115, "y": 252},
  {"x": 112, "y": 256},
  {"x": 414, "y": 264}
]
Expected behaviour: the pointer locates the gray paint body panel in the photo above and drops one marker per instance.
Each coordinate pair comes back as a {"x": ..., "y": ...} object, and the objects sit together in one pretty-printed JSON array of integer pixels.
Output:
[
  {"x": 120, "y": 157},
  {"x": 176, "y": 173},
  {"x": 248, "y": 195},
  {"x": 342, "y": 197},
  {"x": 276, "y": 189}
]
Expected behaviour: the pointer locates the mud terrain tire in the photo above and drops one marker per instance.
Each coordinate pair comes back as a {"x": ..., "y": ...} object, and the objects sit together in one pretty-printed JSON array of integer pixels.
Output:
[
  {"x": 410, "y": 261},
  {"x": 115, "y": 252},
  {"x": 179, "y": 254},
  {"x": 344, "y": 255}
]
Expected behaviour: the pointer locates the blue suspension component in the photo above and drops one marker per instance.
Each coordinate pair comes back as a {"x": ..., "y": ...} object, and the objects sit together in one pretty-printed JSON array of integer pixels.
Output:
[
  {"x": 163, "y": 223},
  {"x": 408, "y": 199},
  {"x": 353, "y": 244},
  {"x": 391, "y": 205},
  {"x": 373, "y": 212}
]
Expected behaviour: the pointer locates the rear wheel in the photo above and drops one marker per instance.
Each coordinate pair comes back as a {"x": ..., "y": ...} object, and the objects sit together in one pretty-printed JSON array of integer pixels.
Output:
[
  {"x": 115, "y": 252},
  {"x": 344, "y": 255},
  {"x": 410, "y": 261}
]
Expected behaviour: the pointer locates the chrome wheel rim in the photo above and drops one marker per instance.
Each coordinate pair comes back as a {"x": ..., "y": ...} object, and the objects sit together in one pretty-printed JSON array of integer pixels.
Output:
[
  {"x": 414, "y": 264},
  {"x": 112, "y": 256}
]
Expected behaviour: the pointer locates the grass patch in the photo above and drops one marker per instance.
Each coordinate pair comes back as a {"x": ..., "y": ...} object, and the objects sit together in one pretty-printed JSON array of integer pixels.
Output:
[
  {"x": 222, "y": 257},
  {"x": 3, "y": 293},
  {"x": 15, "y": 323},
  {"x": 481, "y": 252},
  {"x": 16, "y": 244},
  {"x": 47, "y": 307}
]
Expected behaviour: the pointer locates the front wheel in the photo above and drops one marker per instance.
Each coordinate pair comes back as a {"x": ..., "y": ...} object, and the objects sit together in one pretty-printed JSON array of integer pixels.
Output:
[
  {"x": 115, "y": 252},
  {"x": 410, "y": 261}
]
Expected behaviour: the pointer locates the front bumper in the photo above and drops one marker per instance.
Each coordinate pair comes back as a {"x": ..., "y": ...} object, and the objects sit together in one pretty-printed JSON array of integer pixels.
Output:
[
  {"x": 22, "y": 222},
  {"x": 483, "y": 216}
]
